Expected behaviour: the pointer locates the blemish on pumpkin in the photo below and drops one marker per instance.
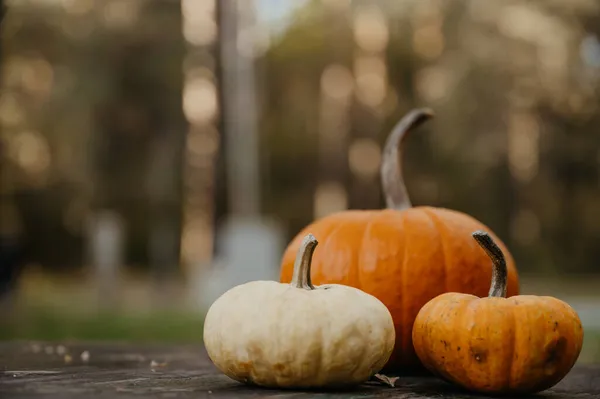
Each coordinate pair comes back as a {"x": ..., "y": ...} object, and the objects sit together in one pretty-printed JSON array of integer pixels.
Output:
[
  {"x": 245, "y": 366},
  {"x": 458, "y": 348},
  {"x": 279, "y": 367},
  {"x": 480, "y": 356},
  {"x": 553, "y": 350}
]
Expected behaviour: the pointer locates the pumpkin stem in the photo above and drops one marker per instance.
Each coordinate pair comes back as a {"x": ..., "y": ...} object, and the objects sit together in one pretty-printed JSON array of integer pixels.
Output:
[
  {"x": 301, "y": 276},
  {"x": 499, "y": 271},
  {"x": 396, "y": 196}
]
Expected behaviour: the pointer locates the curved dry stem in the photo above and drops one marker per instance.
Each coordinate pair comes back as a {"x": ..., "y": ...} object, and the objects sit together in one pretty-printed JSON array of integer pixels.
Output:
[
  {"x": 301, "y": 275},
  {"x": 396, "y": 196},
  {"x": 499, "y": 271}
]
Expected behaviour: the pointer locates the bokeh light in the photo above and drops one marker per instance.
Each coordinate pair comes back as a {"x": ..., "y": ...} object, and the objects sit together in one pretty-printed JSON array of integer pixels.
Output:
[
  {"x": 200, "y": 100},
  {"x": 337, "y": 82},
  {"x": 370, "y": 29},
  {"x": 364, "y": 157},
  {"x": 330, "y": 197}
]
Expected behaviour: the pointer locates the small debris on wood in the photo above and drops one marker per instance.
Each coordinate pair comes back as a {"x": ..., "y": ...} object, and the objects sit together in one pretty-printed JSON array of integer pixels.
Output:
[
  {"x": 68, "y": 358},
  {"x": 61, "y": 350},
  {"x": 155, "y": 365},
  {"x": 384, "y": 380},
  {"x": 85, "y": 356}
]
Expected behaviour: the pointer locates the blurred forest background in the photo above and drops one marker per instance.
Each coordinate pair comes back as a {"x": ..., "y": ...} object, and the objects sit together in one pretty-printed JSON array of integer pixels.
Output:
[{"x": 156, "y": 152}]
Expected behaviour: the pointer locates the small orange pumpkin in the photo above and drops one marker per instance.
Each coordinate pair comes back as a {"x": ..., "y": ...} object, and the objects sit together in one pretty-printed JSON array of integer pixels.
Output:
[
  {"x": 403, "y": 255},
  {"x": 518, "y": 345}
]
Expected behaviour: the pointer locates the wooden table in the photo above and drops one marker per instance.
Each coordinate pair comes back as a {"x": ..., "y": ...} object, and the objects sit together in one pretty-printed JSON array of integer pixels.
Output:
[{"x": 100, "y": 370}]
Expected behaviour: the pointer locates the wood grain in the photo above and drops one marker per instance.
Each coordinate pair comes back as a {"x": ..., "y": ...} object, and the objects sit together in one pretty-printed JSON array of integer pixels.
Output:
[{"x": 120, "y": 370}]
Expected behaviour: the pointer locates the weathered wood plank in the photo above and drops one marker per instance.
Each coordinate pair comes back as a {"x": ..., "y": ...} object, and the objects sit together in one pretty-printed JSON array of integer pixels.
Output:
[{"x": 123, "y": 371}]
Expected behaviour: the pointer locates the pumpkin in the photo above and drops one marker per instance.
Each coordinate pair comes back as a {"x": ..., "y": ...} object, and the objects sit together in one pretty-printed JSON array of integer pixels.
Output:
[
  {"x": 402, "y": 255},
  {"x": 518, "y": 345},
  {"x": 299, "y": 335}
]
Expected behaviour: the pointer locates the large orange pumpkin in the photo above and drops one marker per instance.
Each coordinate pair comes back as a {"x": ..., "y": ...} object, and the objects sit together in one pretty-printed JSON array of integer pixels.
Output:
[{"x": 403, "y": 255}]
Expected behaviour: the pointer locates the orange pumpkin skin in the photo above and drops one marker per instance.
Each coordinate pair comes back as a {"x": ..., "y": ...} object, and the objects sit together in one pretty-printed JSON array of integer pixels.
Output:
[
  {"x": 523, "y": 344},
  {"x": 518, "y": 345},
  {"x": 403, "y": 258}
]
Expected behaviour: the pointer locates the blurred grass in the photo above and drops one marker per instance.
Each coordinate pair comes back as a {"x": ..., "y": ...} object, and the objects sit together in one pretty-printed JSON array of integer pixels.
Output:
[
  {"x": 40, "y": 323},
  {"x": 69, "y": 307}
]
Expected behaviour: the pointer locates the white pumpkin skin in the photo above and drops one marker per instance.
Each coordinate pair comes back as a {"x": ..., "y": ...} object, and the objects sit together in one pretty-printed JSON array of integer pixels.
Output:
[{"x": 278, "y": 335}]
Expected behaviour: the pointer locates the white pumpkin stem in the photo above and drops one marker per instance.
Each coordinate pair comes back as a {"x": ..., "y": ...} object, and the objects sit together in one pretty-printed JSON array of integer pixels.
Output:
[
  {"x": 392, "y": 182},
  {"x": 301, "y": 276},
  {"x": 499, "y": 270}
]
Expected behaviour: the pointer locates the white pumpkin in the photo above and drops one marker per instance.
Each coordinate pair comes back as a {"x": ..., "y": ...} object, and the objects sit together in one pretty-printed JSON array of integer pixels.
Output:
[{"x": 298, "y": 335}]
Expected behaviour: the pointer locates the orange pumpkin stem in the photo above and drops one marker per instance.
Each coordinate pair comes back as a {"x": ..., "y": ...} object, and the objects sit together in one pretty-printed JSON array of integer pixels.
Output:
[
  {"x": 499, "y": 271},
  {"x": 396, "y": 196},
  {"x": 301, "y": 276}
]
